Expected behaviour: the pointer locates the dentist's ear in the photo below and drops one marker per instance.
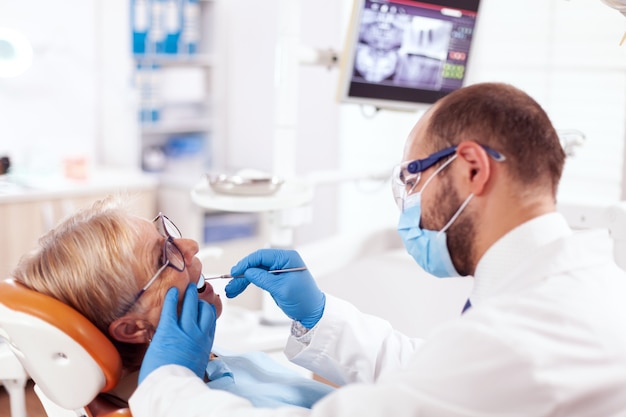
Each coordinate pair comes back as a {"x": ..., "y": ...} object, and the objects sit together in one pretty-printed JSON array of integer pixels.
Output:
[
  {"x": 476, "y": 167},
  {"x": 130, "y": 329}
]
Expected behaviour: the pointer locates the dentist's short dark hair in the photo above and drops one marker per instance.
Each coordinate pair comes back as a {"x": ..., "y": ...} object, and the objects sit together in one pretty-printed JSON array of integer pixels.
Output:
[{"x": 510, "y": 121}]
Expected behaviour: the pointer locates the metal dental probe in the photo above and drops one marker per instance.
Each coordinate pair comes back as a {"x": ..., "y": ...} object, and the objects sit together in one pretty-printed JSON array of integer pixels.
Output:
[
  {"x": 274, "y": 271},
  {"x": 202, "y": 286}
]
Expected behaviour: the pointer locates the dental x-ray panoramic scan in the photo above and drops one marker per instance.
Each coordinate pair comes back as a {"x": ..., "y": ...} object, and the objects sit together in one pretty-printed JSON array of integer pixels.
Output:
[{"x": 406, "y": 53}]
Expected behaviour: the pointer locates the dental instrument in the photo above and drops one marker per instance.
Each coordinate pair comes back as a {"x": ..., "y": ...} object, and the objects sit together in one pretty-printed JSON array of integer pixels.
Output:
[
  {"x": 202, "y": 280},
  {"x": 274, "y": 271}
]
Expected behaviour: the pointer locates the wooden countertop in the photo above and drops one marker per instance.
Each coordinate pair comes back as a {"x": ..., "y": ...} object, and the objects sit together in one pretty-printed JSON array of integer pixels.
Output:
[{"x": 20, "y": 188}]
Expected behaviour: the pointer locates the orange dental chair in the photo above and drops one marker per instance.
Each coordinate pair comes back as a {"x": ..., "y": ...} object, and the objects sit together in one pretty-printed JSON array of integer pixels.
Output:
[{"x": 68, "y": 358}]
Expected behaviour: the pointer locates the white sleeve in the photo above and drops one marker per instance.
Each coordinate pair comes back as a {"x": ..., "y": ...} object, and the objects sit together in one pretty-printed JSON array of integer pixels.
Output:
[
  {"x": 349, "y": 346},
  {"x": 464, "y": 370},
  {"x": 173, "y": 390}
]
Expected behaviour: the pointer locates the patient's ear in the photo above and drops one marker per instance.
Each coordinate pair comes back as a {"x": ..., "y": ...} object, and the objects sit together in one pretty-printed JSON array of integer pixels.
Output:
[{"x": 130, "y": 329}]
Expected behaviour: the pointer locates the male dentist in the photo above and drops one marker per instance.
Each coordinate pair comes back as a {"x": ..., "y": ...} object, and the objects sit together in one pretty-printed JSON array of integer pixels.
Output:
[{"x": 542, "y": 334}]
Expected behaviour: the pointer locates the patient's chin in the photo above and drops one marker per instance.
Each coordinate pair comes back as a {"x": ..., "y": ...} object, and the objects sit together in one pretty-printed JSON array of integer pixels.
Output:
[
  {"x": 217, "y": 302},
  {"x": 212, "y": 298}
]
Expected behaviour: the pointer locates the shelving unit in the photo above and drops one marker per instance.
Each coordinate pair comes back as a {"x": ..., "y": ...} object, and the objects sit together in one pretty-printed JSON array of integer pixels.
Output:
[
  {"x": 176, "y": 85},
  {"x": 179, "y": 102}
]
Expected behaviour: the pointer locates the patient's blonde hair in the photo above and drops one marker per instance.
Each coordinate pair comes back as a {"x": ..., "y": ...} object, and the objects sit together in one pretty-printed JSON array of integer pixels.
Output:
[{"x": 89, "y": 262}]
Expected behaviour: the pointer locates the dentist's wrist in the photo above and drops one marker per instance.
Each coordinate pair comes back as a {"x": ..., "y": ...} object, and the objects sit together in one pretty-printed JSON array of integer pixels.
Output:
[
  {"x": 298, "y": 329},
  {"x": 301, "y": 333}
]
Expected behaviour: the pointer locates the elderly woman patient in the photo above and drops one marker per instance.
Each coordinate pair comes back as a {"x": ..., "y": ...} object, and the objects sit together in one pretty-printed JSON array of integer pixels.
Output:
[{"x": 116, "y": 268}]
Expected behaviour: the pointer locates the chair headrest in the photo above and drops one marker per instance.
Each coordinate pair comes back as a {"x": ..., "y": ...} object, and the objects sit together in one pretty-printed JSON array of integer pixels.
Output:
[{"x": 66, "y": 355}]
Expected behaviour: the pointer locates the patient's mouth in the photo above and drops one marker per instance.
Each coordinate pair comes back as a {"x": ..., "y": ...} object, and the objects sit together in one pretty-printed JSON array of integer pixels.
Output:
[{"x": 205, "y": 289}]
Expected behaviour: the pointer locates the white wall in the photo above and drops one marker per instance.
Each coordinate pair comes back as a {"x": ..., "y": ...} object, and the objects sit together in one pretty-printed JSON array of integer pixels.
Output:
[
  {"x": 77, "y": 98},
  {"x": 50, "y": 110},
  {"x": 251, "y": 99}
]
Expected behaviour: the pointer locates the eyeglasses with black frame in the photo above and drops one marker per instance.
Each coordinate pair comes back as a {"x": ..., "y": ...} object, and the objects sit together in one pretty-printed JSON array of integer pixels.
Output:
[
  {"x": 406, "y": 176},
  {"x": 171, "y": 255}
]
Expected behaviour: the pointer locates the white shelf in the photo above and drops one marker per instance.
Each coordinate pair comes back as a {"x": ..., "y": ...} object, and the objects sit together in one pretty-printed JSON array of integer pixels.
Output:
[
  {"x": 200, "y": 60},
  {"x": 292, "y": 194},
  {"x": 176, "y": 126}
]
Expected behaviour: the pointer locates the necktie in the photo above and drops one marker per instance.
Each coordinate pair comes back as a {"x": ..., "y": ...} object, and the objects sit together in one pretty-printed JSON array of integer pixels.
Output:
[{"x": 467, "y": 306}]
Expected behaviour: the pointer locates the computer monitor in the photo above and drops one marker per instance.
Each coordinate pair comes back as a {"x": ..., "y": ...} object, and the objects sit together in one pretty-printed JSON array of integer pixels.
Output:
[{"x": 404, "y": 54}]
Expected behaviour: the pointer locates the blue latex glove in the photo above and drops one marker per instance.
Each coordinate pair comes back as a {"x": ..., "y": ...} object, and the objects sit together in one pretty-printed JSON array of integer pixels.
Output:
[
  {"x": 185, "y": 341},
  {"x": 296, "y": 293}
]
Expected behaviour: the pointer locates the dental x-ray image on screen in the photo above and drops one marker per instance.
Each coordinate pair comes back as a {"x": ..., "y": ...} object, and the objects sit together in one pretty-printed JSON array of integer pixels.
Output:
[{"x": 406, "y": 54}]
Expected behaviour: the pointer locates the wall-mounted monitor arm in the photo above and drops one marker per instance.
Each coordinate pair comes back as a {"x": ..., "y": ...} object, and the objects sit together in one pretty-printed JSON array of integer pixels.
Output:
[{"x": 328, "y": 58}]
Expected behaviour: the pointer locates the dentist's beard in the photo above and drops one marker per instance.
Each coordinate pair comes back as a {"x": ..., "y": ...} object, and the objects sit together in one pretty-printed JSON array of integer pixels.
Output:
[{"x": 461, "y": 233}]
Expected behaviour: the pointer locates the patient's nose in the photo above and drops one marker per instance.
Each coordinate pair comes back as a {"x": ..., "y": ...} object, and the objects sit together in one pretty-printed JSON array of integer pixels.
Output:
[{"x": 188, "y": 247}]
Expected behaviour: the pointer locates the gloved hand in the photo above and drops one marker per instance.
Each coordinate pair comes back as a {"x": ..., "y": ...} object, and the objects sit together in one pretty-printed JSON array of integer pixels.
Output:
[
  {"x": 296, "y": 293},
  {"x": 185, "y": 341}
]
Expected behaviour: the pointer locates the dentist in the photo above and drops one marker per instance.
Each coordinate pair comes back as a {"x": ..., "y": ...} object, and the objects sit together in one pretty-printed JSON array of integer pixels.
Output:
[{"x": 542, "y": 334}]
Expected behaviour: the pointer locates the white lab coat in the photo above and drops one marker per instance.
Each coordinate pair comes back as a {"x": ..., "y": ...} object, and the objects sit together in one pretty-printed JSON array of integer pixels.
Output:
[{"x": 546, "y": 336}]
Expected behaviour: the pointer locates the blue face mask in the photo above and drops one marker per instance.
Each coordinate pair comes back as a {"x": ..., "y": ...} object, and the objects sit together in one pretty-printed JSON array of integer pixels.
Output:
[{"x": 428, "y": 247}]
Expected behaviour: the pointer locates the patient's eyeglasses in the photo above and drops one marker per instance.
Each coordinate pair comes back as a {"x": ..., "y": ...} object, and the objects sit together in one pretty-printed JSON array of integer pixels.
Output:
[{"x": 171, "y": 255}]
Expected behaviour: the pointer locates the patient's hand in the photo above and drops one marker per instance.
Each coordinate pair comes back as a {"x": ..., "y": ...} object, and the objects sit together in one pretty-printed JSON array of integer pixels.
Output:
[{"x": 184, "y": 341}]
